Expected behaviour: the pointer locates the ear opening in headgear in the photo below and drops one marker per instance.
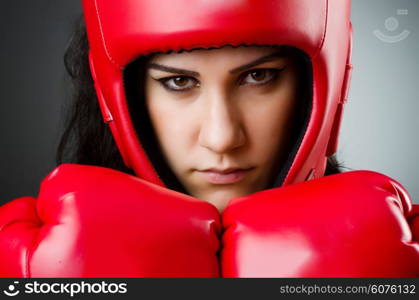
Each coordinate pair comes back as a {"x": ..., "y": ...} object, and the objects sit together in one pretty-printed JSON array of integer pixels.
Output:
[{"x": 134, "y": 78}]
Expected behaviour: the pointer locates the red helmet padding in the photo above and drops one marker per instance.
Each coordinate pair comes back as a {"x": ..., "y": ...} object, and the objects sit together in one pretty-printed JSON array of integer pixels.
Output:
[{"x": 121, "y": 31}]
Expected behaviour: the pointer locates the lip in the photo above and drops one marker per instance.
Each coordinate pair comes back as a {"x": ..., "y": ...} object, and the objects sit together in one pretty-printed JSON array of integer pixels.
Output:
[{"x": 224, "y": 176}]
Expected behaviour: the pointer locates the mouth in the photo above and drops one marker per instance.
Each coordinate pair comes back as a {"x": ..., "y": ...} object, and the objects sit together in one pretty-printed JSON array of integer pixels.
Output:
[{"x": 224, "y": 176}]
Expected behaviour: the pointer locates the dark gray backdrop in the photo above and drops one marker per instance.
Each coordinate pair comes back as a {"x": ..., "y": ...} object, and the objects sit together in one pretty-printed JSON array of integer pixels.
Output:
[
  {"x": 33, "y": 37},
  {"x": 380, "y": 127}
]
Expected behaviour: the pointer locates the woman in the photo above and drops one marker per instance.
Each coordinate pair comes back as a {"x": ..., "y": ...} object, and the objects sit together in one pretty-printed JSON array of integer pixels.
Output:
[
  {"x": 156, "y": 86},
  {"x": 216, "y": 101}
]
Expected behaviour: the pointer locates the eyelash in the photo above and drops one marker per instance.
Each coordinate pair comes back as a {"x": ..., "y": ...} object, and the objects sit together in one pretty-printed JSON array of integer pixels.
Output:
[
  {"x": 274, "y": 75},
  {"x": 165, "y": 81}
]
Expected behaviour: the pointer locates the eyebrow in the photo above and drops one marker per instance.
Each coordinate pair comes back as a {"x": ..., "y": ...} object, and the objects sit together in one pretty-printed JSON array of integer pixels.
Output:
[
  {"x": 249, "y": 65},
  {"x": 258, "y": 61},
  {"x": 172, "y": 70}
]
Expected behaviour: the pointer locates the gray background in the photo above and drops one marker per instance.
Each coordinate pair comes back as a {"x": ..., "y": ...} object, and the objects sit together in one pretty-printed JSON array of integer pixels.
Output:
[
  {"x": 380, "y": 129},
  {"x": 380, "y": 125}
]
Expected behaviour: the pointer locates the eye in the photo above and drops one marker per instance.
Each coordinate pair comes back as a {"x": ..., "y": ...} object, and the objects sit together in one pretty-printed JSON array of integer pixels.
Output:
[
  {"x": 179, "y": 83},
  {"x": 260, "y": 76}
]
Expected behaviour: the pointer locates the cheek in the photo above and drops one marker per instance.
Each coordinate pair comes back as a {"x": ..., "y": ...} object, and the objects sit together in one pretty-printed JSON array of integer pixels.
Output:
[
  {"x": 270, "y": 124},
  {"x": 172, "y": 125}
]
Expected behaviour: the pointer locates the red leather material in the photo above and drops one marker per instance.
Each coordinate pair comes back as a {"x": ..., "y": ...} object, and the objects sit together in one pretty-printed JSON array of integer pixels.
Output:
[
  {"x": 19, "y": 227},
  {"x": 121, "y": 31},
  {"x": 97, "y": 222},
  {"x": 346, "y": 225},
  {"x": 414, "y": 222},
  {"x": 334, "y": 135},
  {"x": 147, "y": 26}
]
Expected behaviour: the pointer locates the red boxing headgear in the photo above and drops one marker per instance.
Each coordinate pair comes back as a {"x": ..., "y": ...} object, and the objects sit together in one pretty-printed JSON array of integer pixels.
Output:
[{"x": 121, "y": 31}]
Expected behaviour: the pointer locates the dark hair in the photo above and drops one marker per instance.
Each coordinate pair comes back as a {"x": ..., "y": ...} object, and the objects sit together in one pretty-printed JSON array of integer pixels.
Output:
[{"x": 86, "y": 138}]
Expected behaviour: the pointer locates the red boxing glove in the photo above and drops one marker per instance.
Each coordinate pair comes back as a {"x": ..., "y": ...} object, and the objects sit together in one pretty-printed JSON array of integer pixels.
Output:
[
  {"x": 97, "y": 222},
  {"x": 353, "y": 224}
]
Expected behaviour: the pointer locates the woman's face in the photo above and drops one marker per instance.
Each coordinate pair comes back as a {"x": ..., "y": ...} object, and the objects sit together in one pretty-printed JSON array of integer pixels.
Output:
[{"x": 223, "y": 117}]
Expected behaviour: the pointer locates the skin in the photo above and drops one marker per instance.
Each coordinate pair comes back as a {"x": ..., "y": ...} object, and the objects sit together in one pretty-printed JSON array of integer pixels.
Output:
[{"x": 227, "y": 109}]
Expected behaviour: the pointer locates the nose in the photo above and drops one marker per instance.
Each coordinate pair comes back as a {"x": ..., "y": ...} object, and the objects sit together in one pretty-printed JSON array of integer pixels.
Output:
[{"x": 221, "y": 128}]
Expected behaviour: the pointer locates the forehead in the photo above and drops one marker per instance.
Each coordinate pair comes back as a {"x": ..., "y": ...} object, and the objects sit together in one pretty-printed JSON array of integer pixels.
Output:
[{"x": 227, "y": 54}]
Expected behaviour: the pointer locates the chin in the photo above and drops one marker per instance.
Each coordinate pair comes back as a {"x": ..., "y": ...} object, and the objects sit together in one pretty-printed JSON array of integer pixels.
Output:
[{"x": 221, "y": 198}]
